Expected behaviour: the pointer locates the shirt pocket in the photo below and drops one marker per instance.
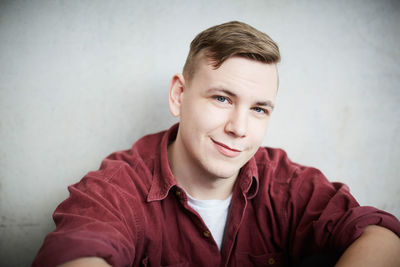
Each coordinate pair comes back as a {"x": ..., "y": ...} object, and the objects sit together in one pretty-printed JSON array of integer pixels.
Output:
[
  {"x": 271, "y": 259},
  {"x": 146, "y": 263}
]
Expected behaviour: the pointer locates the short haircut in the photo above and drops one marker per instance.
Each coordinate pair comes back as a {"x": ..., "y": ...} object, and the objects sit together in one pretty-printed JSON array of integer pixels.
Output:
[{"x": 229, "y": 39}]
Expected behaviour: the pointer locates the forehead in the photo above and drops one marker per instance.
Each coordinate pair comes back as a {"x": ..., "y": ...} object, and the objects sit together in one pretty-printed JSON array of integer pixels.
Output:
[{"x": 238, "y": 74}]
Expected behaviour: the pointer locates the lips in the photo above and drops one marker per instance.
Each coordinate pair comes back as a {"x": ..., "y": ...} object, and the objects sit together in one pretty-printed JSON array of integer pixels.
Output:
[{"x": 226, "y": 150}]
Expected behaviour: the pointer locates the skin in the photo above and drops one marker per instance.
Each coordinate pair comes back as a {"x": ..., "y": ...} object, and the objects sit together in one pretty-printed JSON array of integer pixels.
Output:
[
  {"x": 86, "y": 262},
  {"x": 224, "y": 114},
  {"x": 377, "y": 246},
  {"x": 231, "y": 107}
]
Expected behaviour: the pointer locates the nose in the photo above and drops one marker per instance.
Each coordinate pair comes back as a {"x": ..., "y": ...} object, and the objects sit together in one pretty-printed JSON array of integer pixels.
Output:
[{"x": 237, "y": 123}]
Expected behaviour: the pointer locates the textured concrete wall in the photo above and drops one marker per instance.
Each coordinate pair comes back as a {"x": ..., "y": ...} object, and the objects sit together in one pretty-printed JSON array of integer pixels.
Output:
[{"x": 81, "y": 79}]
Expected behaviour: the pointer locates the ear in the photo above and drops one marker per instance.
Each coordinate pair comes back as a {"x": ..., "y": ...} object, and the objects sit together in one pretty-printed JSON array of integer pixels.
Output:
[{"x": 175, "y": 96}]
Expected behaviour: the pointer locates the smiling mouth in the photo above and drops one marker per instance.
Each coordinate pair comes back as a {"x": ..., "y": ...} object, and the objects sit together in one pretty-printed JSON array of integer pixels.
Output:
[{"x": 226, "y": 150}]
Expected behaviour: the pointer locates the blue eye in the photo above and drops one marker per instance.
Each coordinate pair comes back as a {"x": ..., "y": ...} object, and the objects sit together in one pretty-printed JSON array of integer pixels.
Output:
[
  {"x": 220, "y": 98},
  {"x": 260, "y": 110}
]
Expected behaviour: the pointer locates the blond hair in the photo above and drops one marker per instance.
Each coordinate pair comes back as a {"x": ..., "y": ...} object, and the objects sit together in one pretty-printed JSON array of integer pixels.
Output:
[{"x": 230, "y": 39}]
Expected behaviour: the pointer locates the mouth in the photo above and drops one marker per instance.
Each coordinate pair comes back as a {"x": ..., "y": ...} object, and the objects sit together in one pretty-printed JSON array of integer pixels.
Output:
[{"x": 226, "y": 150}]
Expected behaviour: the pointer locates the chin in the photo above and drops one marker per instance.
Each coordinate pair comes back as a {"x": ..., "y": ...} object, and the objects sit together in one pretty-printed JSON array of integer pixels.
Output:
[
  {"x": 224, "y": 172},
  {"x": 224, "y": 168}
]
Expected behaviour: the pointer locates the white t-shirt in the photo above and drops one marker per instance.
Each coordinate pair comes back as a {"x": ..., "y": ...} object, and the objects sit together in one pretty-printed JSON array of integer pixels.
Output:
[{"x": 214, "y": 213}]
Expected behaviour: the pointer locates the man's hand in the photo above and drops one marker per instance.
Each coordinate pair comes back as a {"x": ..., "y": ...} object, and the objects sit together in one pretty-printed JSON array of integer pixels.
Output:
[
  {"x": 86, "y": 262},
  {"x": 377, "y": 246}
]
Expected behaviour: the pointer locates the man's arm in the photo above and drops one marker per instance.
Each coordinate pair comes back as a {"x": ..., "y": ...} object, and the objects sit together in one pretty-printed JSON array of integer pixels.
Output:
[
  {"x": 377, "y": 246},
  {"x": 86, "y": 262}
]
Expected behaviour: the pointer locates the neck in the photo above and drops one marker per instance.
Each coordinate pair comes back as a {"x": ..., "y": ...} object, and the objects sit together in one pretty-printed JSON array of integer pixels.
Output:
[{"x": 199, "y": 183}]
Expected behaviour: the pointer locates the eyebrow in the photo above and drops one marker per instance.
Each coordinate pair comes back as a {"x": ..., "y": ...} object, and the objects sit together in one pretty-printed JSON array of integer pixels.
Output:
[{"x": 268, "y": 104}]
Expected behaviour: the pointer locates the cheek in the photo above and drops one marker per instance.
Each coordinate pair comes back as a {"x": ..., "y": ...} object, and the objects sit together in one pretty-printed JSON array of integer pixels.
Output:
[
  {"x": 205, "y": 116},
  {"x": 258, "y": 131}
]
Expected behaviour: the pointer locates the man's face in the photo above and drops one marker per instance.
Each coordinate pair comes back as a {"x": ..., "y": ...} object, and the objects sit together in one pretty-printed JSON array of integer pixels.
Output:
[{"x": 224, "y": 115}]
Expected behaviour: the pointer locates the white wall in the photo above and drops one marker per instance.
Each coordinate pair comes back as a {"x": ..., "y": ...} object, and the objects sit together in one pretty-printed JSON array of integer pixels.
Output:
[{"x": 81, "y": 79}]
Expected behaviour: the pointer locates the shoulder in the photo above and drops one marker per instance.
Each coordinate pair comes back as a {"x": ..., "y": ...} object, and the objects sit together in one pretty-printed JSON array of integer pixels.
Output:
[
  {"x": 145, "y": 149},
  {"x": 276, "y": 161},
  {"x": 128, "y": 169},
  {"x": 276, "y": 169}
]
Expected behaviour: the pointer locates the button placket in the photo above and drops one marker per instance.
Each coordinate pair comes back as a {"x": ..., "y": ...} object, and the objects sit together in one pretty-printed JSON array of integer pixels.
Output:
[{"x": 207, "y": 234}]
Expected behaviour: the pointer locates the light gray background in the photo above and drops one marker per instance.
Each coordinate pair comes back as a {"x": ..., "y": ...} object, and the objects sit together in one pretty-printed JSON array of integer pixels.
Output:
[{"x": 81, "y": 79}]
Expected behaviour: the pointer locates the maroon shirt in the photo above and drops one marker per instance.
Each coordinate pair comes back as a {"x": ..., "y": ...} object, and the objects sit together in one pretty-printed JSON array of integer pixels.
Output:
[{"x": 132, "y": 212}]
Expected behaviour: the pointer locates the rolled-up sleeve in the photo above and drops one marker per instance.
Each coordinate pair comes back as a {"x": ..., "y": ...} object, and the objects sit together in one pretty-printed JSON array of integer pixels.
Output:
[
  {"x": 325, "y": 217},
  {"x": 96, "y": 220}
]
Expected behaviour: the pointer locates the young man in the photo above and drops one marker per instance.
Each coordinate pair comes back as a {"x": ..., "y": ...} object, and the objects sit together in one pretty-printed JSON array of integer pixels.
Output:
[{"x": 204, "y": 193}]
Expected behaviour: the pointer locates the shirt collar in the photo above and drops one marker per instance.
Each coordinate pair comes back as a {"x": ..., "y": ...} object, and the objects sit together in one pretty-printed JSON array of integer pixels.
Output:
[
  {"x": 164, "y": 180},
  {"x": 248, "y": 179}
]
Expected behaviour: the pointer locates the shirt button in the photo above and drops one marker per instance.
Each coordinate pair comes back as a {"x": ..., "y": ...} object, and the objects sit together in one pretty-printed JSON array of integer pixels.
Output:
[
  {"x": 178, "y": 193},
  {"x": 207, "y": 234},
  {"x": 271, "y": 261}
]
